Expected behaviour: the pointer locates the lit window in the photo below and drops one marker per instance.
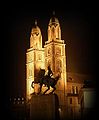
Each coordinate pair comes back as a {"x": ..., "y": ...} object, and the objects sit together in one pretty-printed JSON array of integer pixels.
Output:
[
  {"x": 22, "y": 98},
  {"x": 22, "y": 102},
  {"x": 18, "y": 98},
  {"x": 73, "y": 90}
]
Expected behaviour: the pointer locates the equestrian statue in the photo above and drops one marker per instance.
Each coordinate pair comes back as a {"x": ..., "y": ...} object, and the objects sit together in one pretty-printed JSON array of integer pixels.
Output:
[{"x": 45, "y": 79}]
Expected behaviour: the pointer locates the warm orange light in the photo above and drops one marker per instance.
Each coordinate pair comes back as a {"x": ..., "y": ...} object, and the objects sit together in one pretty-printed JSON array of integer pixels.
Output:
[{"x": 52, "y": 54}]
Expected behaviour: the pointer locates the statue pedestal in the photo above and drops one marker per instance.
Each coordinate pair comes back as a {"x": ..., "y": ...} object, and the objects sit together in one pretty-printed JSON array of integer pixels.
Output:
[{"x": 44, "y": 107}]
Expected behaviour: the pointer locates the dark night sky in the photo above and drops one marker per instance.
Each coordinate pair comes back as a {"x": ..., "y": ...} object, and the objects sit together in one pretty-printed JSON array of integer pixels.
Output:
[{"x": 77, "y": 22}]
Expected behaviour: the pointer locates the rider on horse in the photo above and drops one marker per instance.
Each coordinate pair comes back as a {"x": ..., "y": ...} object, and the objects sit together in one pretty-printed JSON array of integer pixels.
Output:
[
  {"x": 48, "y": 74},
  {"x": 46, "y": 79}
]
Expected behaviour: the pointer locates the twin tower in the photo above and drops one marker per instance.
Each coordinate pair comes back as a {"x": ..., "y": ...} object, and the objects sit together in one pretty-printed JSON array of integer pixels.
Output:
[{"x": 53, "y": 55}]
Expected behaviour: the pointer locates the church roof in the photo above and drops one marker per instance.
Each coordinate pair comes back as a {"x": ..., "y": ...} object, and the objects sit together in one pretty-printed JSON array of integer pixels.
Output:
[
  {"x": 77, "y": 78},
  {"x": 35, "y": 28},
  {"x": 53, "y": 19}
]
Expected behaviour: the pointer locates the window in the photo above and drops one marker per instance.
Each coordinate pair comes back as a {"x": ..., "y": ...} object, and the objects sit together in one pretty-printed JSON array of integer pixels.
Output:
[
  {"x": 76, "y": 90},
  {"x": 70, "y": 100},
  {"x": 73, "y": 90},
  {"x": 59, "y": 66},
  {"x": 58, "y": 51}
]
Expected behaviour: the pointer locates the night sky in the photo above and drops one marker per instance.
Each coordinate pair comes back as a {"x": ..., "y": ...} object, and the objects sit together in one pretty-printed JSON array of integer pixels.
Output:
[{"x": 77, "y": 21}]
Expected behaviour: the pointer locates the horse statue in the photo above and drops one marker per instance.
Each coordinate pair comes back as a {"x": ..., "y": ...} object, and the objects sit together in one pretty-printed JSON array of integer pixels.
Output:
[
  {"x": 50, "y": 82},
  {"x": 46, "y": 79}
]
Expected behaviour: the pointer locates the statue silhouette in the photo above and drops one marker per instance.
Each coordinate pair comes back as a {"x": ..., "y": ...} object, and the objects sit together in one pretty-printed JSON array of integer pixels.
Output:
[{"x": 46, "y": 79}]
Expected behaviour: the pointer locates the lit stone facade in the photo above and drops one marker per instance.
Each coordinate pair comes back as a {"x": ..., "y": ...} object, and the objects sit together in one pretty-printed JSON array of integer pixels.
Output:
[
  {"x": 55, "y": 56},
  {"x": 34, "y": 59},
  {"x": 52, "y": 54}
]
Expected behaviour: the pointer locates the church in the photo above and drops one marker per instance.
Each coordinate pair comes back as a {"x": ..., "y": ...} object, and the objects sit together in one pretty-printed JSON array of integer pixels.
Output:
[{"x": 53, "y": 54}]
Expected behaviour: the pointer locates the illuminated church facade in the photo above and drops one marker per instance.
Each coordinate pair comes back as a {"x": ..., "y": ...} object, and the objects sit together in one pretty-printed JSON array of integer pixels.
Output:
[{"x": 54, "y": 55}]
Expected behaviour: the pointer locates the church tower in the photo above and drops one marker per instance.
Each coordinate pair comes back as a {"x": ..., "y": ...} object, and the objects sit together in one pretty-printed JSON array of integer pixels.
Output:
[
  {"x": 34, "y": 58},
  {"x": 55, "y": 57}
]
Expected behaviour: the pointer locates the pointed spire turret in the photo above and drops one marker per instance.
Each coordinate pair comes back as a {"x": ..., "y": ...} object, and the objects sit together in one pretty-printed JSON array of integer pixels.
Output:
[
  {"x": 54, "y": 31},
  {"x": 36, "y": 36}
]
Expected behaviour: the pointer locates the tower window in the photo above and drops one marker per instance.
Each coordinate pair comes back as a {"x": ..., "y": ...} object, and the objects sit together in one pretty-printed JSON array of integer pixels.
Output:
[
  {"x": 76, "y": 90},
  {"x": 73, "y": 90},
  {"x": 58, "y": 51}
]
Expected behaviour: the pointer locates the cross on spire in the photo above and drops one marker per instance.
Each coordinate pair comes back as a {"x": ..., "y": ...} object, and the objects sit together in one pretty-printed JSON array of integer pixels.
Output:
[
  {"x": 53, "y": 12},
  {"x": 35, "y": 22}
]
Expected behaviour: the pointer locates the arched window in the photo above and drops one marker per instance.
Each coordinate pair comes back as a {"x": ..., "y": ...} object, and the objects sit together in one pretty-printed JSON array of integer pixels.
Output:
[
  {"x": 73, "y": 90},
  {"x": 59, "y": 66},
  {"x": 57, "y": 32},
  {"x": 49, "y": 33},
  {"x": 53, "y": 33}
]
